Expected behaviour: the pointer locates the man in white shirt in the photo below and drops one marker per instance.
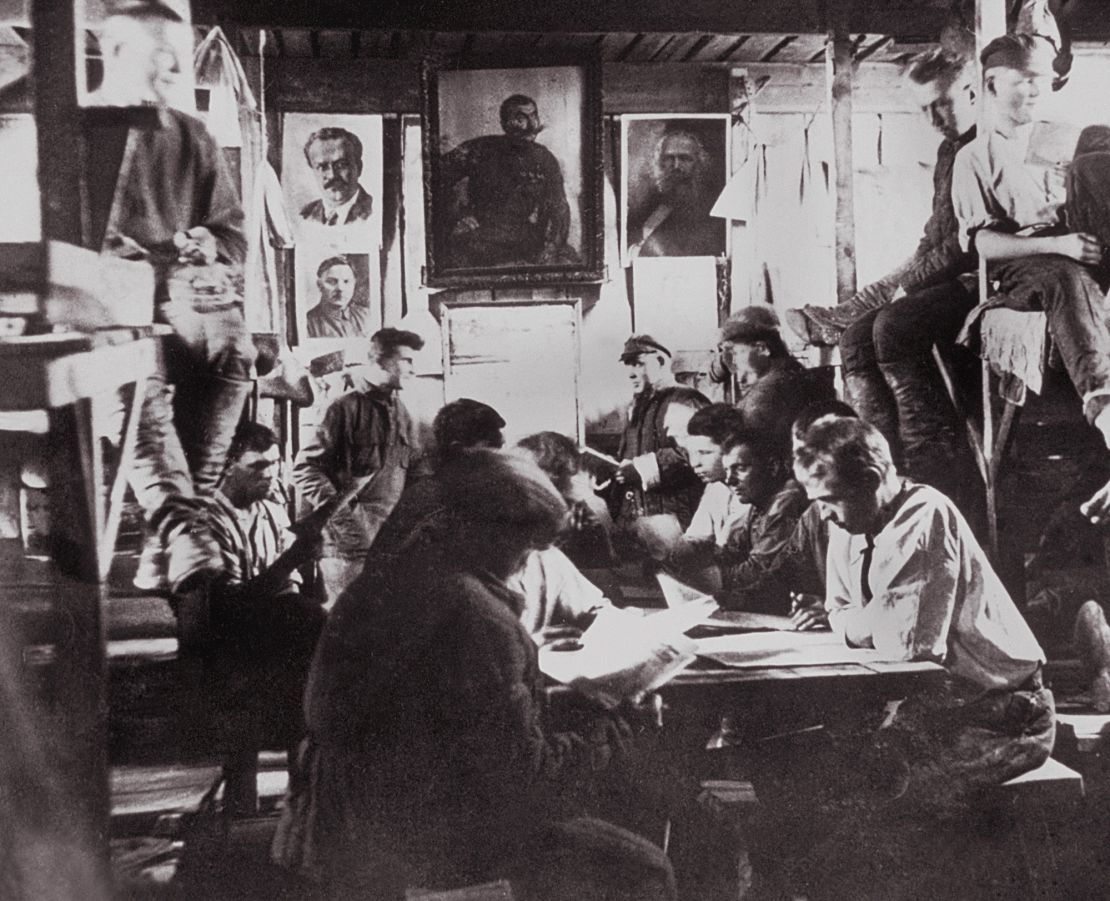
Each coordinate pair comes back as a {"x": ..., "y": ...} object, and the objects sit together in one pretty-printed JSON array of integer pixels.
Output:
[
  {"x": 907, "y": 577},
  {"x": 1041, "y": 225},
  {"x": 865, "y": 800}
]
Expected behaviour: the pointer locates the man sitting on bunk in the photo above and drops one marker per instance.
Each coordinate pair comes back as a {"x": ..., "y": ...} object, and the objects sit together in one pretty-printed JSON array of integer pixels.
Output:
[{"x": 1041, "y": 227}]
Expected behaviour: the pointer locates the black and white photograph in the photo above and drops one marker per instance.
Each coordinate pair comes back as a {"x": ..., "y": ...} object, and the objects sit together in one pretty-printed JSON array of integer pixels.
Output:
[
  {"x": 645, "y": 451},
  {"x": 672, "y": 170},
  {"x": 334, "y": 294},
  {"x": 332, "y": 174},
  {"x": 512, "y": 173}
]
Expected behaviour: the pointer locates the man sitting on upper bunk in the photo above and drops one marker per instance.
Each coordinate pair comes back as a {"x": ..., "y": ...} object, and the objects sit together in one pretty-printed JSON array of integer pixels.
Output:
[
  {"x": 886, "y": 345},
  {"x": 1041, "y": 227}
]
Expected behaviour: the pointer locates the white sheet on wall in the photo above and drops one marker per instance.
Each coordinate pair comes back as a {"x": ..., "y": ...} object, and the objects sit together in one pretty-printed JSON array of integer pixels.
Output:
[
  {"x": 521, "y": 359},
  {"x": 675, "y": 300}
]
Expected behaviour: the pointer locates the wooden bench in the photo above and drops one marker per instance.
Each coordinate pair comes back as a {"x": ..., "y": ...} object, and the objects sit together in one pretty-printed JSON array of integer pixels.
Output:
[
  {"x": 1040, "y": 803},
  {"x": 1087, "y": 730}
]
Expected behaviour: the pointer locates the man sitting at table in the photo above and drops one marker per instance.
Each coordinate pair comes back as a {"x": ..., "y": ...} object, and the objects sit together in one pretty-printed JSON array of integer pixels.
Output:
[
  {"x": 757, "y": 476},
  {"x": 800, "y": 565},
  {"x": 907, "y": 578}
]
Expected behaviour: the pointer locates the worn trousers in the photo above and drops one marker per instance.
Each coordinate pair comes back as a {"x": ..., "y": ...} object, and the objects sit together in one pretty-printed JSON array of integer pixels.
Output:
[
  {"x": 906, "y": 328},
  {"x": 191, "y": 407},
  {"x": 1071, "y": 294}
]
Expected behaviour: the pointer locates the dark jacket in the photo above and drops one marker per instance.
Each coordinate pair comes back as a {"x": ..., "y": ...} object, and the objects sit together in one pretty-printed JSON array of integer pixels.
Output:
[
  {"x": 679, "y": 489},
  {"x": 773, "y": 403},
  {"x": 753, "y": 548},
  {"x": 363, "y": 432}
]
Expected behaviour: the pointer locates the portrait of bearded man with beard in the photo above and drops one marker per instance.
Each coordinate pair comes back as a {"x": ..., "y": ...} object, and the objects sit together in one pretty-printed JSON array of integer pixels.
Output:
[{"x": 674, "y": 220}]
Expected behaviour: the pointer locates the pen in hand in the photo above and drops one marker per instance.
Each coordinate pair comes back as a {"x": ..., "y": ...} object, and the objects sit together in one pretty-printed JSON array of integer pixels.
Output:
[{"x": 807, "y": 613}]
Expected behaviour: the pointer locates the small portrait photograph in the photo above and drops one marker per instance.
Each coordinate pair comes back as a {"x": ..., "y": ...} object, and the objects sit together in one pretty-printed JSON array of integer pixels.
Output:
[
  {"x": 334, "y": 297},
  {"x": 673, "y": 168},
  {"x": 331, "y": 172},
  {"x": 512, "y": 158}
]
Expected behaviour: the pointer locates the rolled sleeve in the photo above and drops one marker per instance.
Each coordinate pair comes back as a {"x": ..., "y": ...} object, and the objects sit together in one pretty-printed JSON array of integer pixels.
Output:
[{"x": 973, "y": 202}]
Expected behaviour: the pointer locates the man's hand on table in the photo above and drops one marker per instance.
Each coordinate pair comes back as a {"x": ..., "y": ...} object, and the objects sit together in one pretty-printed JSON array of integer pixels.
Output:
[{"x": 807, "y": 612}]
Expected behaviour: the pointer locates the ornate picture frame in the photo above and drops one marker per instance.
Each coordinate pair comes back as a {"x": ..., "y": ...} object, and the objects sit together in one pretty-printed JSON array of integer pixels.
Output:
[{"x": 513, "y": 172}]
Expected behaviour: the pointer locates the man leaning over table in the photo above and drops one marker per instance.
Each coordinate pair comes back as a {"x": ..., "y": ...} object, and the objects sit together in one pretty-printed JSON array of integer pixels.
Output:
[
  {"x": 866, "y": 792},
  {"x": 907, "y": 578}
]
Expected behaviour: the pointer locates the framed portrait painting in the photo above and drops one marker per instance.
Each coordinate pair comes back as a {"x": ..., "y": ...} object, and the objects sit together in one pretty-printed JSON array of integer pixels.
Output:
[
  {"x": 673, "y": 168},
  {"x": 512, "y": 173}
]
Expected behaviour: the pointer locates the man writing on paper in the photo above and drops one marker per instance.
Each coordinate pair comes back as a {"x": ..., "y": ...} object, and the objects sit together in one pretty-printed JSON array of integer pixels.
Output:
[
  {"x": 869, "y": 792},
  {"x": 654, "y": 478},
  {"x": 907, "y": 577}
]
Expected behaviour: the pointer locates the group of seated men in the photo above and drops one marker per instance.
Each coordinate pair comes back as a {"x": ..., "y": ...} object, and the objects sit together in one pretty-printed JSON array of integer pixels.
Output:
[{"x": 424, "y": 722}]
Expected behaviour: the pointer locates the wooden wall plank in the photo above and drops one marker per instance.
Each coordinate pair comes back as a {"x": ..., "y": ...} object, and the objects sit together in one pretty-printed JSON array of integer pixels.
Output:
[{"x": 383, "y": 86}]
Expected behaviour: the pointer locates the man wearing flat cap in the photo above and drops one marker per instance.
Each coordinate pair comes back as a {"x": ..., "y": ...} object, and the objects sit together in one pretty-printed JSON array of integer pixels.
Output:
[
  {"x": 774, "y": 387},
  {"x": 1041, "y": 225},
  {"x": 654, "y": 477}
]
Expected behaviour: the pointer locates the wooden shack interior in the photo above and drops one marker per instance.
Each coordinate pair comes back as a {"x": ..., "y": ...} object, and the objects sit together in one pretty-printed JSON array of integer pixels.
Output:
[{"x": 825, "y": 173}]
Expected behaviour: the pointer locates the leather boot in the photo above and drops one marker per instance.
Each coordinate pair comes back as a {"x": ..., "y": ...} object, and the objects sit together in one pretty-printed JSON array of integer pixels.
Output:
[
  {"x": 934, "y": 450},
  {"x": 867, "y": 392},
  {"x": 207, "y": 411}
]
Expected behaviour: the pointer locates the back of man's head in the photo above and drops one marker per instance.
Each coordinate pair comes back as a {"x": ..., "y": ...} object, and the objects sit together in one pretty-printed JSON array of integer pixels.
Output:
[
  {"x": 850, "y": 450},
  {"x": 819, "y": 409},
  {"x": 464, "y": 424},
  {"x": 715, "y": 422}
]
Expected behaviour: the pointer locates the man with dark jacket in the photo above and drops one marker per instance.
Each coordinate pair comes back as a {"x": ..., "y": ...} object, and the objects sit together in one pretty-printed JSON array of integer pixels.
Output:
[
  {"x": 654, "y": 476},
  {"x": 773, "y": 386}
]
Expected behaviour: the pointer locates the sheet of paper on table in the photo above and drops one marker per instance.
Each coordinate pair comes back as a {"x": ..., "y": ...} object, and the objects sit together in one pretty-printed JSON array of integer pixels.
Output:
[
  {"x": 759, "y": 649},
  {"x": 621, "y": 655},
  {"x": 680, "y": 596}
]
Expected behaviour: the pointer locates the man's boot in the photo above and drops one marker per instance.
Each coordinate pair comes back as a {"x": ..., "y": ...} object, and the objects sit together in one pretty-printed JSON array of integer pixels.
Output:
[
  {"x": 207, "y": 412},
  {"x": 867, "y": 392},
  {"x": 934, "y": 450}
]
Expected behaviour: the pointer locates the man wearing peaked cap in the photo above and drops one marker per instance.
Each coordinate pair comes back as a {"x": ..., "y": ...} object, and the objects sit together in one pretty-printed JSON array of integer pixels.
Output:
[
  {"x": 773, "y": 386},
  {"x": 654, "y": 477}
]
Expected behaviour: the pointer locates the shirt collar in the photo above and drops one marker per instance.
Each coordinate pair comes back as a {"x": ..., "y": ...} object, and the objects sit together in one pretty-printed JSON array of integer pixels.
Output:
[{"x": 340, "y": 211}]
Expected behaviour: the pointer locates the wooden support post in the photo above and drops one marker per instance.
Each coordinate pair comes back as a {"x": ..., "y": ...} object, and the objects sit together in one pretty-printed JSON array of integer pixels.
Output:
[
  {"x": 58, "y": 120},
  {"x": 838, "y": 58}
]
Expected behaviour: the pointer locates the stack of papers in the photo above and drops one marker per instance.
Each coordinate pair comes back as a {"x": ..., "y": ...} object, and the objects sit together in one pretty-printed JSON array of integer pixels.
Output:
[
  {"x": 620, "y": 656},
  {"x": 759, "y": 649}
]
